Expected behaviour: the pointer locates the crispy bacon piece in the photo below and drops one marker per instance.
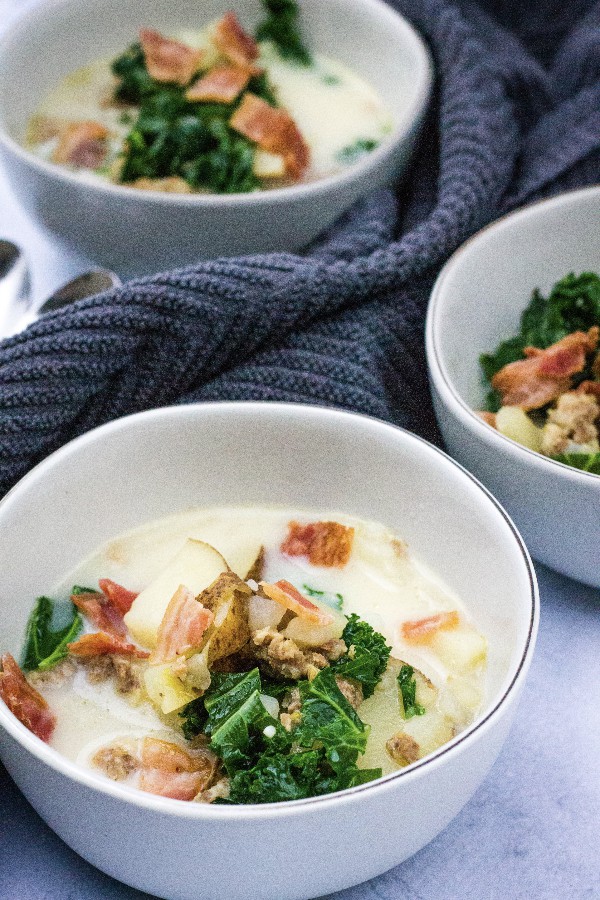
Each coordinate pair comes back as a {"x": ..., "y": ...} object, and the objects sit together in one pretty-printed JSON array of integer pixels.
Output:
[
  {"x": 273, "y": 130},
  {"x": 168, "y": 60},
  {"x": 158, "y": 767},
  {"x": 220, "y": 85},
  {"x": 235, "y": 44},
  {"x": 545, "y": 374},
  {"x": 324, "y": 543},
  {"x": 488, "y": 417},
  {"x": 81, "y": 144},
  {"x": 102, "y": 610},
  {"x": 24, "y": 701},
  {"x": 422, "y": 630},
  {"x": 169, "y": 771},
  {"x": 182, "y": 627},
  {"x": 286, "y": 594},
  {"x": 589, "y": 387},
  {"x": 117, "y": 594},
  {"x": 101, "y": 644}
]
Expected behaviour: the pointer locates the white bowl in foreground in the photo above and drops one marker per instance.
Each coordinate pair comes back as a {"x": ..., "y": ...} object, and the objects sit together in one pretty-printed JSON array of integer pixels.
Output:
[
  {"x": 138, "y": 232},
  {"x": 155, "y": 463},
  {"x": 476, "y": 302}
]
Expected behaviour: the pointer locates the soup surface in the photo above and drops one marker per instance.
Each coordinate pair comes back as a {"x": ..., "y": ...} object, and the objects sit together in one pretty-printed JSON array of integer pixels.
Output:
[
  {"x": 254, "y": 655},
  {"x": 211, "y": 110}
]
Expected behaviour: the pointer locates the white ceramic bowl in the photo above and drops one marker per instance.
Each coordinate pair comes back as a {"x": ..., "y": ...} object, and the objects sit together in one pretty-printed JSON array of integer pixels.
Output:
[
  {"x": 137, "y": 232},
  {"x": 476, "y": 302},
  {"x": 155, "y": 463}
]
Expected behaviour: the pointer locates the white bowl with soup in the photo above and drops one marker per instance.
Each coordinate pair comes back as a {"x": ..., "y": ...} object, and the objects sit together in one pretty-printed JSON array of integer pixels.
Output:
[
  {"x": 376, "y": 62},
  {"x": 230, "y": 474},
  {"x": 477, "y": 302}
]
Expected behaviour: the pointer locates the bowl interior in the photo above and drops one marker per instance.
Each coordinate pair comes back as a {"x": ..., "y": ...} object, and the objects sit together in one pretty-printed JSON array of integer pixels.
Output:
[
  {"x": 157, "y": 463},
  {"x": 483, "y": 289},
  {"x": 59, "y": 36}
]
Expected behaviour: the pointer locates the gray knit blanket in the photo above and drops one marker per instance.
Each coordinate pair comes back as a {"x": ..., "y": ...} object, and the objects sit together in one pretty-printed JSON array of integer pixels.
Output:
[{"x": 515, "y": 117}]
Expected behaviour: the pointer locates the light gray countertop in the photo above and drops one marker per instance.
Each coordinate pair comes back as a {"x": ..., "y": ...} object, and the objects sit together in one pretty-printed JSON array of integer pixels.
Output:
[{"x": 531, "y": 831}]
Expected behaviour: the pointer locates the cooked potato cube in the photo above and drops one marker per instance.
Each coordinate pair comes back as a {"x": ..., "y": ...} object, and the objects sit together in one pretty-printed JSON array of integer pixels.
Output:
[
  {"x": 514, "y": 423},
  {"x": 196, "y": 566},
  {"x": 165, "y": 689}
]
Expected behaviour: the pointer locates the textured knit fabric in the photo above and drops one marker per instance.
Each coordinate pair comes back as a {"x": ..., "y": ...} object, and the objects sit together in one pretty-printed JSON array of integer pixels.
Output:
[{"x": 516, "y": 116}]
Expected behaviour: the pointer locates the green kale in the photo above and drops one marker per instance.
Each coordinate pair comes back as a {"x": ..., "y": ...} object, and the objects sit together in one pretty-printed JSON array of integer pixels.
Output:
[
  {"x": 587, "y": 462},
  {"x": 173, "y": 137},
  {"x": 194, "y": 717},
  {"x": 77, "y": 589},
  {"x": 330, "y": 721},
  {"x": 264, "y": 762},
  {"x": 45, "y": 647},
  {"x": 353, "y": 152},
  {"x": 134, "y": 82},
  {"x": 336, "y": 601},
  {"x": 367, "y": 656},
  {"x": 408, "y": 689},
  {"x": 281, "y": 27},
  {"x": 572, "y": 305}
]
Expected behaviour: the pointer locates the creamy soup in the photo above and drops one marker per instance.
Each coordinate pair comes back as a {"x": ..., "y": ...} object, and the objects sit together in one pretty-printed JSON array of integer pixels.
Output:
[
  {"x": 210, "y": 110},
  {"x": 250, "y": 655}
]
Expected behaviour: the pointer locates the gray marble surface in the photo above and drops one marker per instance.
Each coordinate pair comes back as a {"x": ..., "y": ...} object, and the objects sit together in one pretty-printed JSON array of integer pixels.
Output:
[{"x": 531, "y": 830}]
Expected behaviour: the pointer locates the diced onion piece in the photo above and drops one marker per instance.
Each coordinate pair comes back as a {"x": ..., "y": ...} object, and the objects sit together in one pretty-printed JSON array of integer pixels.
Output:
[
  {"x": 514, "y": 423},
  {"x": 270, "y": 704},
  {"x": 264, "y": 613}
]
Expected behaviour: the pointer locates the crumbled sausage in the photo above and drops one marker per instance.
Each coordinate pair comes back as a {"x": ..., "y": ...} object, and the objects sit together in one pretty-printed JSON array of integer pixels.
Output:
[
  {"x": 351, "y": 690},
  {"x": 219, "y": 791},
  {"x": 116, "y": 762},
  {"x": 572, "y": 420},
  {"x": 284, "y": 657},
  {"x": 403, "y": 748}
]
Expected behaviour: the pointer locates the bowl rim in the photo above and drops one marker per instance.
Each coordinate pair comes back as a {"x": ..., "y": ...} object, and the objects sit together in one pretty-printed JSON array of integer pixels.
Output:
[
  {"x": 208, "y": 812},
  {"x": 410, "y": 118},
  {"x": 433, "y": 346}
]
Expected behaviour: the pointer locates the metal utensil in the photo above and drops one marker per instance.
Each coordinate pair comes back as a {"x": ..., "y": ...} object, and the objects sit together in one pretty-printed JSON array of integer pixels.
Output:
[
  {"x": 15, "y": 299},
  {"x": 85, "y": 285}
]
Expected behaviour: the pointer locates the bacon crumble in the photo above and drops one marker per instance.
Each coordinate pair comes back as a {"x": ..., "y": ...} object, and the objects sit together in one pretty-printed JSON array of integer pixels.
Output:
[
  {"x": 273, "y": 130},
  {"x": 220, "y": 85},
  {"x": 82, "y": 144},
  {"x": 24, "y": 701},
  {"x": 235, "y": 44},
  {"x": 323, "y": 543},
  {"x": 167, "y": 60}
]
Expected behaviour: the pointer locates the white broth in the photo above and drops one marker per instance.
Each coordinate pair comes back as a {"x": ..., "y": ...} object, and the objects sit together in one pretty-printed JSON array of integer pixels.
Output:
[{"x": 380, "y": 582}]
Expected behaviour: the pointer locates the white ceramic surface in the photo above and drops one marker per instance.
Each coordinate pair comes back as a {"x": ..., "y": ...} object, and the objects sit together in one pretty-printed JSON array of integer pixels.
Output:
[
  {"x": 137, "y": 232},
  {"x": 158, "y": 462},
  {"x": 476, "y": 302}
]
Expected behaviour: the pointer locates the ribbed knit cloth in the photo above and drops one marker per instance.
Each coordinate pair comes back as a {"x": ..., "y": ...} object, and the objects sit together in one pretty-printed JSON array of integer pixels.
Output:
[{"x": 516, "y": 116}]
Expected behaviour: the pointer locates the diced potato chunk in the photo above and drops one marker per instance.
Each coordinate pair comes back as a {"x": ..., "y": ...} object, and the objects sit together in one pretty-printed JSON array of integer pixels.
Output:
[
  {"x": 165, "y": 689},
  {"x": 383, "y": 712},
  {"x": 197, "y": 566},
  {"x": 228, "y": 600},
  {"x": 514, "y": 423},
  {"x": 461, "y": 649},
  {"x": 268, "y": 165}
]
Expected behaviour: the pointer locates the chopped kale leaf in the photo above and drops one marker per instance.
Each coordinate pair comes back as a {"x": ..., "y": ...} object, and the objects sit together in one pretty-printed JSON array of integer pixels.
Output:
[
  {"x": 45, "y": 646},
  {"x": 336, "y": 601},
  {"x": 587, "y": 462},
  {"x": 264, "y": 762},
  {"x": 408, "y": 688},
  {"x": 367, "y": 656},
  {"x": 194, "y": 717},
  {"x": 281, "y": 27},
  {"x": 173, "y": 137},
  {"x": 353, "y": 152},
  {"x": 572, "y": 305}
]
